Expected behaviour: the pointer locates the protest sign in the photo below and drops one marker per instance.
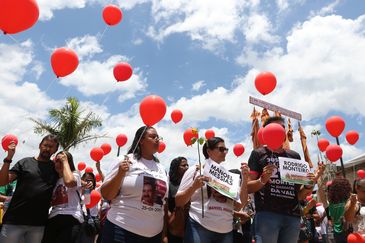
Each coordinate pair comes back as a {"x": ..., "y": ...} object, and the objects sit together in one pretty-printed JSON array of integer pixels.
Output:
[
  {"x": 294, "y": 171},
  {"x": 223, "y": 181}
]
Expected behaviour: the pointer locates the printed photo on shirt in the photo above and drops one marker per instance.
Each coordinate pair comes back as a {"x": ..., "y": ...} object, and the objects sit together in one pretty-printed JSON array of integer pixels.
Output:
[
  {"x": 59, "y": 196},
  {"x": 216, "y": 195},
  {"x": 153, "y": 192}
]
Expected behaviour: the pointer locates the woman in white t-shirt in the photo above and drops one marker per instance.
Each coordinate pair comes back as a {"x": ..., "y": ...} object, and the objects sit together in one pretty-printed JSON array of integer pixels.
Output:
[
  {"x": 65, "y": 216},
  {"x": 137, "y": 186},
  {"x": 217, "y": 223}
]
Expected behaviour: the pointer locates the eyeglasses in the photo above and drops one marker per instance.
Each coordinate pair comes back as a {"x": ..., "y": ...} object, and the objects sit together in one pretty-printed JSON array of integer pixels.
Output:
[{"x": 222, "y": 149}]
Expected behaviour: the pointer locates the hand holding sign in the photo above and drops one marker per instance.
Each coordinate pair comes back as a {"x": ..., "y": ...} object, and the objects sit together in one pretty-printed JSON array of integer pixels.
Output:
[
  {"x": 267, "y": 172},
  {"x": 199, "y": 182}
]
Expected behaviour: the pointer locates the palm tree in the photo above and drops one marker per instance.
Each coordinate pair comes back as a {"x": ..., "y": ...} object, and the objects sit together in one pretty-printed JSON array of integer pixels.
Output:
[{"x": 69, "y": 124}]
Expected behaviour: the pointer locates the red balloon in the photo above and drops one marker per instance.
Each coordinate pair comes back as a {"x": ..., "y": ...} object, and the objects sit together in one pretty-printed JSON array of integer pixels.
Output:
[
  {"x": 176, "y": 116},
  {"x": 81, "y": 166},
  {"x": 89, "y": 170},
  {"x": 335, "y": 125},
  {"x": 352, "y": 137},
  {"x": 64, "y": 61},
  {"x": 274, "y": 135},
  {"x": 238, "y": 149},
  {"x": 17, "y": 15},
  {"x": 189, "y": 134},
  {"x": 7, "y": 139},
  {"x": 122, "y": 71},
  {"x": 322, "y": 144},
  {"x": 95, "y": 197},
  {"x": 361, "y": 174},
  {"x": 106, "y": 148},
  {"x": 260, "y": 137},
  {"x": 265, "y": 82},
  {"x": 333, "y": 152},
  {"x": 152, "y": 109},
  {"x": 209, "y": 134},
  {"x": 121, "y": 140},
  {"x": 97, "y": 177},
  {"x": 96, "y": 154},
  {"x": 112, "y": 15},
  {"x": 355, "y": 238},
  {"x": 161, "y": 147}
]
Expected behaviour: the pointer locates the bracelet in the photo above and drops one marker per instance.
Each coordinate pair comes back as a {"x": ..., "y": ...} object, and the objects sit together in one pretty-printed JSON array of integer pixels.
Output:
[{"x": 7, "y": 161}]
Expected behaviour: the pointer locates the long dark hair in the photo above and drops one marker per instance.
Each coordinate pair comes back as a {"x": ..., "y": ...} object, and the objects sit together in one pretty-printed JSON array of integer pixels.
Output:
[
  {"x": 136, "y": 146},
  {"x": 174, "y": 167},
  {"x": 211, "y": 143},
  {"x": 69, "y": 159},
  {"x": 92, "y": 177}
]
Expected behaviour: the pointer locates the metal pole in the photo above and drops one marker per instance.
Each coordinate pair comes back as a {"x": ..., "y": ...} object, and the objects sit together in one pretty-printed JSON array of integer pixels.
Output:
[{"x": 342, "y": 166}]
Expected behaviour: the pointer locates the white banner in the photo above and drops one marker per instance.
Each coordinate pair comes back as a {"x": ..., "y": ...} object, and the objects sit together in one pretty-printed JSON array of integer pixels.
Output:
[
  {"x": 223, "y": 181},
  {"x": 294, "y": 171}
]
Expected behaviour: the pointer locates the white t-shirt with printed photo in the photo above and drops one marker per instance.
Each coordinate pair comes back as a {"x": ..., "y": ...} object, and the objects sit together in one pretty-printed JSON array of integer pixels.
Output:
[
  {"x": 138, "y": 207},
  {"x": 218, "y": 209},
  {"x": 65, "y": 200}
]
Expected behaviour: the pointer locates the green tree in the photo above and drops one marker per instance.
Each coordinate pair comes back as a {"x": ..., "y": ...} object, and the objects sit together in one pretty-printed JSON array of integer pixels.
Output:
[{"x": 69, "y": 124}]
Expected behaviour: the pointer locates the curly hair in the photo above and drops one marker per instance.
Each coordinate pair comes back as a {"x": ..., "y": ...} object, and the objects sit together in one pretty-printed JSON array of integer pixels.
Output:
[{"x": 339, "y": 191}]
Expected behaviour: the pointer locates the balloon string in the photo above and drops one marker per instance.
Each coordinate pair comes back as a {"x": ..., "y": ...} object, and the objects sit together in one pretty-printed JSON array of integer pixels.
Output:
[
  {"x": 139, "y": 139},
  {"x": 49, "y": 85},
  {"x": 15, "y": 40},
  {"x": 67, "y": 92},
  {"x": 102, "y": 34}
]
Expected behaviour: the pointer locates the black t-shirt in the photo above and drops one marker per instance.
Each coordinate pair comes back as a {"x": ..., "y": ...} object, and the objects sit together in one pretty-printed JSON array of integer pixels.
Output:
[
  {"x": 276, "y": 196},
  {"x": 31, "y": 200},
  {"x": 172, "y": 193}
]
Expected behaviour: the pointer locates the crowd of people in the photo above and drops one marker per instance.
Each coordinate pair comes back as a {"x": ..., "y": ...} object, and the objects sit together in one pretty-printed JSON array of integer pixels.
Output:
[{"x": 44, "y": 200}]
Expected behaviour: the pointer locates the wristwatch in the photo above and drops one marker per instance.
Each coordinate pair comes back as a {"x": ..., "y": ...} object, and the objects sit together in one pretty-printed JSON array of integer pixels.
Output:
[{"x": 7, "y": 160}]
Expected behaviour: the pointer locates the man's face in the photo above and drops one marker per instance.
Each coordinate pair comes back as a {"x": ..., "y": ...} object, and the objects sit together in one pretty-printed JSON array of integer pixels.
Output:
[
  {"x": 147, "y": 195},
  {"x": 47, "y": 148}
]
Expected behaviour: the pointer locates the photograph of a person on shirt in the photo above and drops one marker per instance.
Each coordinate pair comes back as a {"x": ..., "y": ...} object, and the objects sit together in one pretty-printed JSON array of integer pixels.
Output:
[{"x": 148, "y": 195}]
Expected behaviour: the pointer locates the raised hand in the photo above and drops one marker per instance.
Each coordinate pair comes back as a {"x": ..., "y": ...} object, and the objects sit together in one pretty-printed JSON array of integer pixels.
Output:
[{"x": 11, "y": 151}]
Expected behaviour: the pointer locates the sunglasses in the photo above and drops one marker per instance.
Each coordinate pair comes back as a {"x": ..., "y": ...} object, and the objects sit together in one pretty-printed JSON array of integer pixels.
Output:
[{"x": 222, "y": 149}]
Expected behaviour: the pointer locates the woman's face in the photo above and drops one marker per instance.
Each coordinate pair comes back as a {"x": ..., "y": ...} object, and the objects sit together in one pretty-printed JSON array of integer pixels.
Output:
[
  {"x": 183, "y": 166},
  {"x": 58, "y": 163},
  {"x": 218, "y": 153},
  {"x": 150, "y": 141}
]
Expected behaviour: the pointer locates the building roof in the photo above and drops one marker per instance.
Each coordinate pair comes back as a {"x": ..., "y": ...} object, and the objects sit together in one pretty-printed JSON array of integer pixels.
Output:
[{"x": 355, "y": 161}]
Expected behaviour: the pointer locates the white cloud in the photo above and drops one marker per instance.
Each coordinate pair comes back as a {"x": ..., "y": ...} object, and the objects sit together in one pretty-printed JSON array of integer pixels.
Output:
[
  {"x": 258, "y": 28},
  {"x": 137, "y": 42},
  {"x": 282, "y": 4},
  {"x": 320, "y": 66},
  {"x": 127, "y": 5},
  {"x": 328, "y": 9},
  {"x": 209, "y": 22},
  {"x": 85, "y": 46},
  {"x": 46, "y": 7},
  {"x": 198, "y": 85},
  {"x": 95, "y": 78}
]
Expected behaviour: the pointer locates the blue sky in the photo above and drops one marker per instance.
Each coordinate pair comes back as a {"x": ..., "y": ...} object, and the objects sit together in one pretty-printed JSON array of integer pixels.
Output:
[{"x": 201, "y": 56}]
